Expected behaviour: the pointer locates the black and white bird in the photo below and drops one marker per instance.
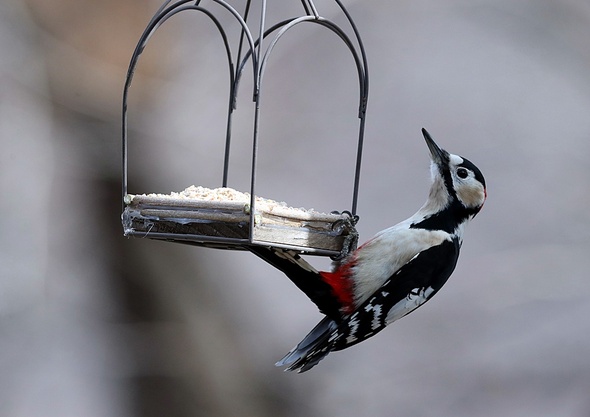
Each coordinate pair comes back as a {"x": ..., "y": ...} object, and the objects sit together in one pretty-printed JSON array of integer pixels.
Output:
[{"x": 392, "y": 274}]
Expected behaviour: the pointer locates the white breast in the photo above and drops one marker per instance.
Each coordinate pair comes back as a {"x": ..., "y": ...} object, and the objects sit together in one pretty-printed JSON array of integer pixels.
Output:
[{"x": 378, "y": 259}]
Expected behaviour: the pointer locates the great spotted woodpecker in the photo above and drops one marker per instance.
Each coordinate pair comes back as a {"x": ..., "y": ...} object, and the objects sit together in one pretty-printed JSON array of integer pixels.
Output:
[{"x": 392, "y": 274}]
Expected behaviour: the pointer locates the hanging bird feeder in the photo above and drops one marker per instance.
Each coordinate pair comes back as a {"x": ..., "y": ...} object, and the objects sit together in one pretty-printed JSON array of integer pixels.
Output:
[{"x": 226, "y": 218}]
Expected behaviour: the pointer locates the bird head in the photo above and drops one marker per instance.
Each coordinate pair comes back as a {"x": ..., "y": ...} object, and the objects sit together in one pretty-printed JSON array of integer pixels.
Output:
[{"x": 455, "y": 181}]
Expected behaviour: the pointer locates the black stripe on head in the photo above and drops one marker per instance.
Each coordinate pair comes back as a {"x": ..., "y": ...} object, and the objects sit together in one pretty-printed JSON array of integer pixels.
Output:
[
  {"x": 478, "y": 175},
  {"x": 447, "y": 178}
]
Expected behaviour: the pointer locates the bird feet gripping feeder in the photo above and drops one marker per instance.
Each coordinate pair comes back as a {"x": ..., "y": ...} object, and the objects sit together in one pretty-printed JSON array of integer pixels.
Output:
[{"x": 225, "y": 218}]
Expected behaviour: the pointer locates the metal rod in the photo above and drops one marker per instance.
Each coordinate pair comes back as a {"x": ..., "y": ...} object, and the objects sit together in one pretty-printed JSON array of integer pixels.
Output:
[
  {"x": 239, "y": 54},
  {"x": 362, "y": 108},
  {"x": 256, "y": 121},
  {"x": 313, "y": 9},
  {"x": 161, "y": 16},
  {"x": 363, "y": 86},
  {"x": 255, "y": 50}
]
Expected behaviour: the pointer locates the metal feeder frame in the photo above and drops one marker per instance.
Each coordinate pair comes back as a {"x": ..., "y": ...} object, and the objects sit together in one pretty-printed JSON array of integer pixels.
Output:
[{"x": 254, "y": 50}]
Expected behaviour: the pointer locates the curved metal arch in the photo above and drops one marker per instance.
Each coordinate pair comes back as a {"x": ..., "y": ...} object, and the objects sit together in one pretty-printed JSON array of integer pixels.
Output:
[
  {"x": 362, "y": 108},
  {"x": 361, "y": 49},
  {"x": 246, "y": 31},
  {"x": 242, "y": 21},
  {"x": 247, "y": 56},
  {"x": 361, "y": 62},
  {"x": 254, "y": 51},
  {"x": 363, "y": 91},
  {"x": 334, "y": 28},
  {"x": 157, "y": 20}
]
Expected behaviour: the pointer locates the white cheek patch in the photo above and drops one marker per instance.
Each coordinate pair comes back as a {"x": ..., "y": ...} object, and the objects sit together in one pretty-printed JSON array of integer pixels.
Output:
[
  {"x": 469, "y": 191},
  {"x": 471, "y": 194}
]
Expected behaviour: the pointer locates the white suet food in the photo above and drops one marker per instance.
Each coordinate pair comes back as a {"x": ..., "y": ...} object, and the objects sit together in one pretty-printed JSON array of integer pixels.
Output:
[
  {"x": 230, "y": 195},
  {"x": 201, "y": 214}
]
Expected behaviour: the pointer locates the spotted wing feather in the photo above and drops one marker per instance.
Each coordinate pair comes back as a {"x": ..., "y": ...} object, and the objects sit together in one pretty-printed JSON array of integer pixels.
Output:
[{"x": 410, "y": 287}]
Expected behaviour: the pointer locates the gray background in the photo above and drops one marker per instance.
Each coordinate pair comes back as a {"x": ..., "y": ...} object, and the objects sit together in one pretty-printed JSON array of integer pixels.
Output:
[{"x": 94, "y": 324}]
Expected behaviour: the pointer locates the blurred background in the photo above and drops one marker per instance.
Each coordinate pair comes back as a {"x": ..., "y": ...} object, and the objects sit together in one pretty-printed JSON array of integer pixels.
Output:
[{"x": 95, "y": 324}]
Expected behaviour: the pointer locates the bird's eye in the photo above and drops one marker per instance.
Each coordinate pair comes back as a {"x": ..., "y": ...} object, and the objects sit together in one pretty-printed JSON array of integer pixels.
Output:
[{"x": 462, "y": 173}]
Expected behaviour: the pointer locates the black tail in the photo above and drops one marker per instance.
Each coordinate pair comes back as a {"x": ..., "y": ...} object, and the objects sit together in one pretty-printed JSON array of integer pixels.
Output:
[
  {"x": 312, "y": 349},
  {"x": 304, "y": 276}
]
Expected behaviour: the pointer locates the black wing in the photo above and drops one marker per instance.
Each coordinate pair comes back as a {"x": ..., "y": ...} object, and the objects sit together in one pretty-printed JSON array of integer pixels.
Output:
[
  {"x": 304, "y": 276},
  {"x": 410, "y": 287}
]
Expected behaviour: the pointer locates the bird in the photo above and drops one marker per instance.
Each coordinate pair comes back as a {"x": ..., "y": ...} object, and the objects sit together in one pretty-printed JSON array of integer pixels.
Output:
[{"x": 393, "y": 273}]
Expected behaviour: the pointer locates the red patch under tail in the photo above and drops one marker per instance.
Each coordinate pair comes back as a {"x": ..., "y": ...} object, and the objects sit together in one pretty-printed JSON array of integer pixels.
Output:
[{"x": 342, "y": 287}]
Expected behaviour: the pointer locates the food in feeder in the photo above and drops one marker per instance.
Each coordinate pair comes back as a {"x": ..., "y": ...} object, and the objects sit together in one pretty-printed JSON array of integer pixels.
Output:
[
  {"x": 230, "y": 195},
  {"x": 223, "y": 215},
  {"x": 208, "y": 194}
]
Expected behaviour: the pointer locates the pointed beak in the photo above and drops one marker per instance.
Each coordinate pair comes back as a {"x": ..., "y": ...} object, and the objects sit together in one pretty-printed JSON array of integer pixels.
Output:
[{"x": 439, "y": 156}]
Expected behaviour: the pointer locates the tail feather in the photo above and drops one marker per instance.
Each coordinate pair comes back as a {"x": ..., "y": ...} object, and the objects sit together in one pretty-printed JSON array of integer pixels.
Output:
[
  {"x": 312, "y": 349},
  {"x": 304, "y": 276}
]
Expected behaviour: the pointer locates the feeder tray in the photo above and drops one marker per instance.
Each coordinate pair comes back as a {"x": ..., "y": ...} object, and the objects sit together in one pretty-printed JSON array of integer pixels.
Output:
[
  {"x": 213, "y": 216},
  {"x": 225, "y": 218}
]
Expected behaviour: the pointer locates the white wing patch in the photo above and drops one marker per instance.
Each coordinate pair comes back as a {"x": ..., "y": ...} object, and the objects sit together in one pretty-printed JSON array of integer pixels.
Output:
[
  {"x": 412, "y": 301},
  {"x": 353, "y": 325},
  {"x": 377, "y": 310}
]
